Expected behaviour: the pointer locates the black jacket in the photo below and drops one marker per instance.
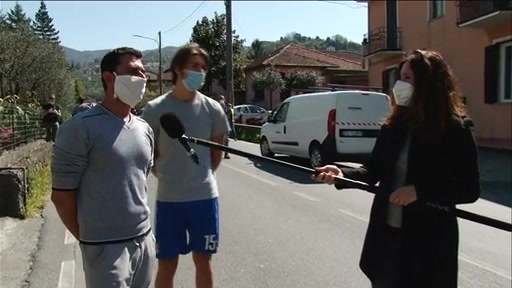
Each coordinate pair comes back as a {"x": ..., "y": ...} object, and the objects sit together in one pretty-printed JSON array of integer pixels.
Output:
[{"x": 445, "y": 172}]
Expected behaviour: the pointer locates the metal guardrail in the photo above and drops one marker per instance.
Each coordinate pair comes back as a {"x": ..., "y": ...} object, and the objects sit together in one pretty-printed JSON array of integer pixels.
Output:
[
  {"x": 19, "y": 126},
  {"x": 247, "y": 126}
]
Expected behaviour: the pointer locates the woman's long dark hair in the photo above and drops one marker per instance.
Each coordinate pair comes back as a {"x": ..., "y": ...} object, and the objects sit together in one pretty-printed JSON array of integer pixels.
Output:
[{"x": 436, "y": 97}]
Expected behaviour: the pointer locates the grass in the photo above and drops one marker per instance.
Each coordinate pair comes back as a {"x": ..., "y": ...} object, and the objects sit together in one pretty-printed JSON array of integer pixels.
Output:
[
  {"x": 248, "y": 134},
  {"x": 39, "y": 185}
]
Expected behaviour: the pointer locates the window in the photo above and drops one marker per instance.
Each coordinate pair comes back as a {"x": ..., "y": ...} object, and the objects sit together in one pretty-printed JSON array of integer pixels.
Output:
[
  {"x": 280, "y": 115},
  {"x": 256, "y": 109},
  {"x": 389, "y": 77},
  {"x": 437, "y": 8},
  {"x": 498, "y": 73},
  {"x": 505, "y": 72}
]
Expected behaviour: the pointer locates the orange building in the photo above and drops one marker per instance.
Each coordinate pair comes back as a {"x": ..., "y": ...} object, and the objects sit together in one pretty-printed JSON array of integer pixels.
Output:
[{"x": 475, "y": 38}]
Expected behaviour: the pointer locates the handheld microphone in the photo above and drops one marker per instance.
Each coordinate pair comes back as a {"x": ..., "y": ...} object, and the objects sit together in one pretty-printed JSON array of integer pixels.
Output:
[{"x": 175, "y": 130}]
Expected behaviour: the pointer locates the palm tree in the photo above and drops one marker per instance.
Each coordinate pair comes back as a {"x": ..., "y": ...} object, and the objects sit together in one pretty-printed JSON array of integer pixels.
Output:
[{"x": 257, "y": 50}]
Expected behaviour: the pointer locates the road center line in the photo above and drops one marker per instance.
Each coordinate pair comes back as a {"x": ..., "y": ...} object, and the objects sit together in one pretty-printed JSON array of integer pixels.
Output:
[
  {"x": 462, "y": 257},
  {"x": 69, "y": 238},
  {"x": 67, "y": 274},
  {"x": 352, "y": 215},
  {"x": 306, "y": 196},
  {"x": 483, "y": 266},
  {"x": 250, "y": 174}
]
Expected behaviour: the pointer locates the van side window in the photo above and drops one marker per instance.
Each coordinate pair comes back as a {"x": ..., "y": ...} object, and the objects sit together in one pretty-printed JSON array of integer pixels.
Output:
[{"x": 280, "y": 116}]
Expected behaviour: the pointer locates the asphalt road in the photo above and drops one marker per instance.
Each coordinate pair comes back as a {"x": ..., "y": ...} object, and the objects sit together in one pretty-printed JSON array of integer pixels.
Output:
[{"x": 278, "y": 229}]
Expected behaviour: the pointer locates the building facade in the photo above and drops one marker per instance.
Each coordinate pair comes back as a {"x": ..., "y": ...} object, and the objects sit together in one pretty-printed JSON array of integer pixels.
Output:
[
  {"x": 475, "y": 38},
  {"x": 336, "y": 67}
]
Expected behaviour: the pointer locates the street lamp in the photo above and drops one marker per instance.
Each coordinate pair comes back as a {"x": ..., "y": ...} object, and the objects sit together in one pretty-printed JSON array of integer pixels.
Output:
[{"x": 159, "y": 42}]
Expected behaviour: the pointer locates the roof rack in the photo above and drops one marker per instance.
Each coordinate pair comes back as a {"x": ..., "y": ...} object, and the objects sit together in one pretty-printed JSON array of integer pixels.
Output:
[{"x": 339, "y": 87}]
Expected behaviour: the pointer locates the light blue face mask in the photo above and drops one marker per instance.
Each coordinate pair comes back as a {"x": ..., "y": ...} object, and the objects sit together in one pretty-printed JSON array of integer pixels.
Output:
[{"x": 194, "y": 80}]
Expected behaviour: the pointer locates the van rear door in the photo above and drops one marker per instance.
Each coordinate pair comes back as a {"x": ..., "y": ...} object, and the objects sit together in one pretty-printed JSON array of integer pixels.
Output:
[{"x": 358, "y": 118}]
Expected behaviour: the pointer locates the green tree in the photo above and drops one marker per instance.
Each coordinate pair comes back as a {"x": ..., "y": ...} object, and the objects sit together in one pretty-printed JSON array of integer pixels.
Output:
[
  {"x": 32, "y": 69},
  {"x": 268, "y": 79},
  {"x": 79, "y": 88},
  {"x": 3, "y": 21},
  {"x": 17, "y": 19},
  {"x": 210, "y": 34},
  {"x": 337, "y": 41},
  {"x": 304, "y": 79},
  {"x": 43, "y": 25},
  {"x": 257, "y": 50}
]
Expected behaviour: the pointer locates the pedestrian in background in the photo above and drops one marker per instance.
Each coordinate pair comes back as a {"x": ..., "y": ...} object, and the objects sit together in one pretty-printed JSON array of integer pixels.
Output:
[
  {"x": 425, "y": 154},
  {"x": 51, "y": 118},
  {"x": 81, "y": 106},
  {"x": 231, "y": 120},
  {"x": 230, "y": 115},
  {"x": 187, "y": 209},
  {"x": 101, "y": 159}
]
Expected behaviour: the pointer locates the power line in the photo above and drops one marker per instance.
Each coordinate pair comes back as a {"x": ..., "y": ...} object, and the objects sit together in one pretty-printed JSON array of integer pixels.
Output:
[
  {"x": 349, "y": 5},
  {"x": 238, "y": 25},
  {"x": 186, "y": 18}
]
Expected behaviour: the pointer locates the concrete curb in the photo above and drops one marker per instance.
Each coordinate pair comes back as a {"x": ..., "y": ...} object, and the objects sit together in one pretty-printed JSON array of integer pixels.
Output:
[{"x": 19, "y": 240}]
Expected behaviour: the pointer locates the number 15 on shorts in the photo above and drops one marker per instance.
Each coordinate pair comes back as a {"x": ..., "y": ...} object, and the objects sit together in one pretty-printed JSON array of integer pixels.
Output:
[{"x": 210, "y": 242}]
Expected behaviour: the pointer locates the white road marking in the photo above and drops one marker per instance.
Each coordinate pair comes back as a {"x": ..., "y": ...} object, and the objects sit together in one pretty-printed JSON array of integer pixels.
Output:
[
  {"x": 67, "y": 274},
  {"x": 352, "y": 215},
  {"x": 69, "y": 238},
  {"x": 250, "y": 174},
  {"x": 462, "y": 257},
  {"x": 483, "y": 266},
  {"x": 306, "y": 196}
]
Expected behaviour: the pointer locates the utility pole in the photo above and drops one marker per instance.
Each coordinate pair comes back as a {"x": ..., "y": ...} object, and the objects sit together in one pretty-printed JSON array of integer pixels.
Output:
[
  {"x": 160, "y": 75},
  {"x": 229, "y": 54}
]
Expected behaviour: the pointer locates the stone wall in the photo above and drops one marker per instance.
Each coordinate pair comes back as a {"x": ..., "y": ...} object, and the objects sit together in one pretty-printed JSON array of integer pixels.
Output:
[{"x": 15, "y": 168}]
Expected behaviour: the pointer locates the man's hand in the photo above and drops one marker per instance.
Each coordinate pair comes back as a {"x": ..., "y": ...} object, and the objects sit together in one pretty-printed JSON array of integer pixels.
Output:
[
  {"x": 403, "y": 196},
  {"x": 216, "y": 155},
  {"x": 327, "y": 174},
  {"x": 66, "y": 205}
]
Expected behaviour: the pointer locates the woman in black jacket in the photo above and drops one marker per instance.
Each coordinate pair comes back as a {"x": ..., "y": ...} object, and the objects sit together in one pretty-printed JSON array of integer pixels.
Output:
[{"x": 424, "y": 156}]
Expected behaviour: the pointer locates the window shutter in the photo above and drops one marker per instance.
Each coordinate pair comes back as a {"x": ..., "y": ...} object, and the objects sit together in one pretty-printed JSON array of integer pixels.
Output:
[
  {"x": 385, "y": 81},
  {"x": 491, "y": 74}
]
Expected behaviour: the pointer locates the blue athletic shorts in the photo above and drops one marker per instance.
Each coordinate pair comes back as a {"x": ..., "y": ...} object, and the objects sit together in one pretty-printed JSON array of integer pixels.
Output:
[{"x": 182, "y": 227}]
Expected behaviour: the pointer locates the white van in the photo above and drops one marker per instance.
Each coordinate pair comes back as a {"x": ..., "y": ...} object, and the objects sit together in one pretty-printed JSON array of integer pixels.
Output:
[{"x": 323, "y": 126}]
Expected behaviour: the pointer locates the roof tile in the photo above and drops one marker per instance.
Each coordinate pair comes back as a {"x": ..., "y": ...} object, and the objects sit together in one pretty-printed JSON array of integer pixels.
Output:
[{"x": 296, "y": 55}]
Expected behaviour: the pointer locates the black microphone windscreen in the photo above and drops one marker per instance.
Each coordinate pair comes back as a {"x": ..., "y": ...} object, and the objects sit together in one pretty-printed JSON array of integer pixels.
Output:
[{"x": 172, "y": 125}]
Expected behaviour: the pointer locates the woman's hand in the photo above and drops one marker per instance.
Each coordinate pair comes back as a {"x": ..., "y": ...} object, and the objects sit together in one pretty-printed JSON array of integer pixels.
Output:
[
  {"x": 327, "y": 174},
  {"x": 403, "y": 196}
]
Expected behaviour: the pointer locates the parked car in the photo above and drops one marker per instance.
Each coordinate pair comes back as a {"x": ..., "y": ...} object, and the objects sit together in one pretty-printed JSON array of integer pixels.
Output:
[
  {"x": 251, "y": 114},
  {"x": 323, "y": 126}
]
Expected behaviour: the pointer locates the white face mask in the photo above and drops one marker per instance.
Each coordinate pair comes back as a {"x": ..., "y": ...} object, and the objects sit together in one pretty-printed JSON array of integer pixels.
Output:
[
  {"x": 129, "y": 89},
  {"x": 402, "y": 91}
]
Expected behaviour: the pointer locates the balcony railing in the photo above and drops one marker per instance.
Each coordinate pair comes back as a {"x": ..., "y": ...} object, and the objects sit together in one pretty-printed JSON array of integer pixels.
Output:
[
  {"x": 468, "y": 10},
  {"x": 382, "y": 39}
]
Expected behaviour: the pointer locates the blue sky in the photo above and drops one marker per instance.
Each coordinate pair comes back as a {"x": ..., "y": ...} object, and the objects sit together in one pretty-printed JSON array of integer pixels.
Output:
[{"x": 91, "y": 25}]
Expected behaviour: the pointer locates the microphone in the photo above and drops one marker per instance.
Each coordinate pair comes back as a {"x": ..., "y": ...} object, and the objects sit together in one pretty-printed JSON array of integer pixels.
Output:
[{"x": 175, "y": 130}]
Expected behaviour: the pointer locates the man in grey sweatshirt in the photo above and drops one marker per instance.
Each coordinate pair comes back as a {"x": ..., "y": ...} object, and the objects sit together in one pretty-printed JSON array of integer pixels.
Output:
[{"x": 101, "y": 159}]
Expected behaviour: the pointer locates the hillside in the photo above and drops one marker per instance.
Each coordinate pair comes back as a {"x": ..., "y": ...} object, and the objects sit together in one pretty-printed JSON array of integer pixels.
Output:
[
  {"x": 150, "y": 57},
  {"x": 85, "y": 64},
  {"x": 88, "y": 56},
  {"x": 82, "y": 57}
]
